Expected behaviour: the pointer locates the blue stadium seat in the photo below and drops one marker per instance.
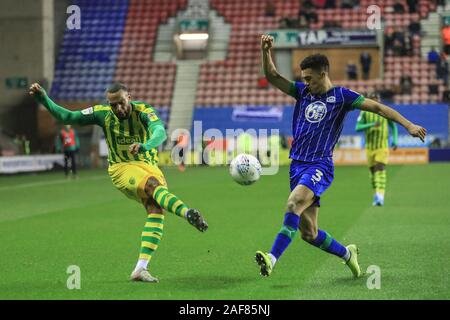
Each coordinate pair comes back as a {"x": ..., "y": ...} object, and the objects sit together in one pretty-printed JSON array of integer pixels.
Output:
[{"x": 87, "y": 58}]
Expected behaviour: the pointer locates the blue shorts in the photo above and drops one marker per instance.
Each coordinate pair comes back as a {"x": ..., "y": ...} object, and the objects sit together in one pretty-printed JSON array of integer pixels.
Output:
[{"x": 316, "y": 175}]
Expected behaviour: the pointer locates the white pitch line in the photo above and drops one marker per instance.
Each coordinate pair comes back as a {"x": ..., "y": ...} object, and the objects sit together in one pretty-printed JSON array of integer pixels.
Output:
[{"x": 47, "y": 183}]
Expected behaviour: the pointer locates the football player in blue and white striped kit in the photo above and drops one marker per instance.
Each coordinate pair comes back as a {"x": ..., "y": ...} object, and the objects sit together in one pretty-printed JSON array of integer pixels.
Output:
[{"x": 319, "y": 115}]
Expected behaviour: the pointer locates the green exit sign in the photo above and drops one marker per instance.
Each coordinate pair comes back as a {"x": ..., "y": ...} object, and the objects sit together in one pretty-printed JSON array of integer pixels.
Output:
[
  {"x": 16, "y": 82},
  {"x": 194, "y": 25},
  {"x": 446, "y": 20}
]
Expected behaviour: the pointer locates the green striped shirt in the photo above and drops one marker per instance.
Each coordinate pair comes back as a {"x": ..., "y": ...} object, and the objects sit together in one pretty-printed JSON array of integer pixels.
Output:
[
  {"x": 377, "y": 137},
  {"x": 120, "y": 134}
]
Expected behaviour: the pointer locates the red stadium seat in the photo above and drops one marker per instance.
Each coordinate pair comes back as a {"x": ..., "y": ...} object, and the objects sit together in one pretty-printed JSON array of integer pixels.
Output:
[
  {"x": 238, "y": 74},
  {"x": 137, "y": 46}
]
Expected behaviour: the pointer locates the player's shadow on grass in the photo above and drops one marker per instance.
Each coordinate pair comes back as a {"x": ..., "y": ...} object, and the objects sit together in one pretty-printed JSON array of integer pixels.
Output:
[
  {"x": 210, "y": 282},
  {"x": 284, "y": 286},
  {"x": 350, "y": 282}
]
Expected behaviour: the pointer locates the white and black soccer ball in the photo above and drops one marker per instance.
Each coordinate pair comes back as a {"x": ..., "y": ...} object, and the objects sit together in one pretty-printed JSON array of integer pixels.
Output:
[{"x": 245, "y": 169}]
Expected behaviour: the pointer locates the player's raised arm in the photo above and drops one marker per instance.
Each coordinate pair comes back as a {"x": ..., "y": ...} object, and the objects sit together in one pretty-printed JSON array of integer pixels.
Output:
[
  {"x": 270, "y": 71},
  {"x": 61, "y": 114},
  {"x": 391, "y": 114}
]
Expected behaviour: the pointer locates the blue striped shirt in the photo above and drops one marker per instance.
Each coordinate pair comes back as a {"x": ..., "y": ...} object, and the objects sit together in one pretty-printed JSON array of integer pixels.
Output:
[{"x": 318, "y": 120}]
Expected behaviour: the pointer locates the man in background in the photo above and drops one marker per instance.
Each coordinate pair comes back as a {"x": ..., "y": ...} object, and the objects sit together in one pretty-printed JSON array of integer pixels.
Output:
[
  {"x": 376, "y": 129},
  {"x": 67, "y": 141},
  {"x": 366, "y": 60},
  {"x": 352, "y": 71}
]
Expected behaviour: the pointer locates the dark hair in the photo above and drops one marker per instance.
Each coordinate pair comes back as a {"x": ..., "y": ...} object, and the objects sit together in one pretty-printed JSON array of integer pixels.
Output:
[
  {"x": 317, "y": 62},
  {"x": 115, "y": 87}
]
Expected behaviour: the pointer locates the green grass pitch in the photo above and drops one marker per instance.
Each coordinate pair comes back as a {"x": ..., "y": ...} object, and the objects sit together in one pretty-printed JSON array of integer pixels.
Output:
[{"x": 48, "y": 224}]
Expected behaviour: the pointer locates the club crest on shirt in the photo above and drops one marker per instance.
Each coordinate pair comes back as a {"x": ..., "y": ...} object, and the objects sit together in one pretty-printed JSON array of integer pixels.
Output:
[
  {"x": 152, "y": 116},
  {"x": 315, "y": 112}
]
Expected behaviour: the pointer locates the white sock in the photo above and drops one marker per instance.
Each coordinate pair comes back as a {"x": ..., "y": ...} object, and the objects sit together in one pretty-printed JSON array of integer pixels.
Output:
[
  {"x": 272, "y": 259},
  {"x": 347, "y": 255},
  {"x": 142, "y": 263}
]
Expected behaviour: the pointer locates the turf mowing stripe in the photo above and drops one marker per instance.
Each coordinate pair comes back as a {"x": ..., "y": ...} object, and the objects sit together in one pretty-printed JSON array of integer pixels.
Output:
[
  {"x": 48, "y": 183},
  {"x": 408, "y": 269},
  {"x": 396, "y": 237}
]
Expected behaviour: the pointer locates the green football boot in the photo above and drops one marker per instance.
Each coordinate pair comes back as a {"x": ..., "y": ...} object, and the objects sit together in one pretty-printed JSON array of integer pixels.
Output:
[
  {"x": 264, "y": 262},
  {"x": 352, "y": 263}
]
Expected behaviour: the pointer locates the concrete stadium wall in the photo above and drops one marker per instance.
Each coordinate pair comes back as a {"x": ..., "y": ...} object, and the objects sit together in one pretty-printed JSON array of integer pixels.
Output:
[
  {"x": 27, "y": 53},
  {"x": 60, "y": 16},
  {"x": 283, "y": 60}
]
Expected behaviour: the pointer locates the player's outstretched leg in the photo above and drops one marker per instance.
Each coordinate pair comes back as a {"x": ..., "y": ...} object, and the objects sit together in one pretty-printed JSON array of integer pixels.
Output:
[
  {"x": 173, "y": 204},
  {"x": 266, "y": 261},
  {"x": 150, "y": 239},
  {"x": 300, "y": 198},
  {"x": 323, "y": 240},
  {"x": 349, "y": 254}
]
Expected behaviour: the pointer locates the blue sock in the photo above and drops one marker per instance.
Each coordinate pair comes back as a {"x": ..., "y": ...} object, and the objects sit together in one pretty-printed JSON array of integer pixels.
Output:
[
  {"x": 325, "y": 242},
  {"x": 286, "y": 234}
]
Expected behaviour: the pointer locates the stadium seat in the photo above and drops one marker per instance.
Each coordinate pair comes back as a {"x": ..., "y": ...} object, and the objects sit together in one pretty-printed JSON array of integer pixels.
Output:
[
  {"x": 241, "y": 68},
  {"x": 110, "y": 42}
]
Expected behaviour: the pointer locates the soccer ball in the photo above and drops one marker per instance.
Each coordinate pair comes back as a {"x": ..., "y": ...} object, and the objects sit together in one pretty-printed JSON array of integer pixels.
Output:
[{"x": 245, "y": 169}]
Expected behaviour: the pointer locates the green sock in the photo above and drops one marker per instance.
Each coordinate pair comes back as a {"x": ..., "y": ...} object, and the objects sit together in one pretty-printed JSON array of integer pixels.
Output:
[
  {"x": 372, "y": 179},
  {"x": 380, "y": 181},
  {"x": 151, "y": 236},
  {"x": 169, "y": 201}
]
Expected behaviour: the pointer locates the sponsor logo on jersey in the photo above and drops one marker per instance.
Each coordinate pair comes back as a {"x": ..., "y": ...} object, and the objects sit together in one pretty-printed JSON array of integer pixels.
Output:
[
  {"x": 315, "y": 112},
  {"x": 127, "y": 140},
  {"x": 331, "y": 99}
]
